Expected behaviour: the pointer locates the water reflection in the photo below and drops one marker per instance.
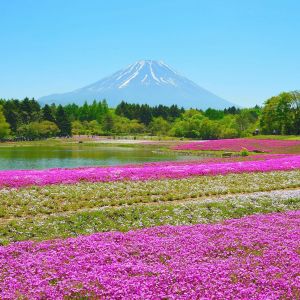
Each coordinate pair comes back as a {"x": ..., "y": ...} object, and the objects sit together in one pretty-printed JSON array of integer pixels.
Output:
[{"x": 41, "y": 157}]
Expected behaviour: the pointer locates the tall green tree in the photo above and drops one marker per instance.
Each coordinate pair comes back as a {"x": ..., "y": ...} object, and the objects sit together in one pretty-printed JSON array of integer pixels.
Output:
[
  {"x": 84, "y": 112},
  {"x": 30, "y": 110},
  {"x": 47, "y": 114},
  {"x": 4, "y": 126},
  {"x": 281, "y": 114},
  {"x": 295, "y": 106},
  {"x": 63, "y": 122}
]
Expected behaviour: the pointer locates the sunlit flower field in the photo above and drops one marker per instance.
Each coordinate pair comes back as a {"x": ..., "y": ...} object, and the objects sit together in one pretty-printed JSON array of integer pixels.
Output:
[
  {"x": 207, "y": 229},
  {"x": 254, "y": 257},
  {"x": 260, "y": 145}
]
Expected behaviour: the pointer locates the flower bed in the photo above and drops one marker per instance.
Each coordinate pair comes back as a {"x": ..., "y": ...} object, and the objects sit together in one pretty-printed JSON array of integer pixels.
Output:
[
  {"x": 209, "y": 209},
  {"x": 255, "y": 257},
  {"x": 52, "y": 199},
  {"x": 238, "y": 145},
  {"x": 19, "y": 178}
]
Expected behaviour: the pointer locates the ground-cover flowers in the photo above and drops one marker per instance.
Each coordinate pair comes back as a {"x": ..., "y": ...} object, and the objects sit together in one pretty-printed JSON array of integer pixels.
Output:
[
  {"x": 19, "y": 178},
  {"x": 262, "y": 145},
  {"x": 210, "y": 209},
  {"x": 256, "y": 257},
  {"x": 51, "y": 199}
]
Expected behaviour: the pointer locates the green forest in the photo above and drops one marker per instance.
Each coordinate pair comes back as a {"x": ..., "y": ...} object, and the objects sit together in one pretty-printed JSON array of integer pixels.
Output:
[{"x": 27, "y": 120}]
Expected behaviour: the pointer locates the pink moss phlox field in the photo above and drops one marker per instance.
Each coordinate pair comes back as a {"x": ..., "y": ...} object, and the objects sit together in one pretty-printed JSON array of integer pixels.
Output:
[
  {"x": 238, "y": 145},
  {"x": 217, "y": 159},
  {"x": 19, "y": 178},
  {"x": 256, "y": 257}
]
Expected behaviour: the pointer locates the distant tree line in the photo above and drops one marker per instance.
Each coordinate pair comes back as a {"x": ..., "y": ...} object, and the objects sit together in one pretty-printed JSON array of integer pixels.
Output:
[
  {"x": 27, "y": 119},
  {"x": 145, "y": 113}
]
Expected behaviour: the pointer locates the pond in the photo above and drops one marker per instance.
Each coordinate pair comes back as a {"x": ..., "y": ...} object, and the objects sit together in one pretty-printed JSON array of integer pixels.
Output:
[{"x": 76, "y": 155}]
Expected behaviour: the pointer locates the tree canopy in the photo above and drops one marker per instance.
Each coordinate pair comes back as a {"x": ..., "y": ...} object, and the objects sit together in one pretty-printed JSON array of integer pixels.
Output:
[
  {"x": 281, "y": 114},
  {"x": 26, "y": 118},
  {"x": 4, "y": 126}
]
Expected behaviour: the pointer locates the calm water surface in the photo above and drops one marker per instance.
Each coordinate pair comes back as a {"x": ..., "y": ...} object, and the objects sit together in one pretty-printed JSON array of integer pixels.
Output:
[{"x": 70, "y": 156}]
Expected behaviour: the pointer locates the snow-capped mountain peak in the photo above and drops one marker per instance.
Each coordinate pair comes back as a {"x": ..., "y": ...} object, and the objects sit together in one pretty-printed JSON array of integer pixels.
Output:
[
  {"x": 143, "y": 72},
  {"x": 145, "y": 81}
]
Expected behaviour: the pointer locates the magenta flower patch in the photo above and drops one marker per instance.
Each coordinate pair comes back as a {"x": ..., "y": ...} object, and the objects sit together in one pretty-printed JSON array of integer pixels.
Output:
[
  {"x": 238, "y": 145},
  {"x": 256, "y": 257},
  {"x": 19, "y": 178}
]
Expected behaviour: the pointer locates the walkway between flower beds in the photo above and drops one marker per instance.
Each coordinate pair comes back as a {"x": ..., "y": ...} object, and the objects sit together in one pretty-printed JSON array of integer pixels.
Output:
[{"x": 19, "y": 178}]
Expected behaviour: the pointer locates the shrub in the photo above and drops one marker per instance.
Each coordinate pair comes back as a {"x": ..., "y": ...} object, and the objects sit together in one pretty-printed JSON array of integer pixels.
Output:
[{"x": 244, "y": 152}]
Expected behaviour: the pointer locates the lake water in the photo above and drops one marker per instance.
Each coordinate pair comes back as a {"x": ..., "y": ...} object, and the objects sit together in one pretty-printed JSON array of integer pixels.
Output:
[{"x": 75, "y": 155}]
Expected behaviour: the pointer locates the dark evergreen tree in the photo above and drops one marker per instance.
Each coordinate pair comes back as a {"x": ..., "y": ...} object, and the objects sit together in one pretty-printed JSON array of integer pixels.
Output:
[
  {"x": 63, "y": 122},
  {"x": 145, "y": 114},
  {"x": 84, "y": 112},
  {"x": 11, "y": 111},
  {"x": 175, "y": 112},
  {"x": 25, "y": 111},
  {"x": 47, "y": 114},
  {"x": 232, "y": 110},
  {"x": 121, "y": 109},
  {"x": 30, "y": 111},
  {"x": 72, "y": 111},
  {"x": 12, "y": 118}
]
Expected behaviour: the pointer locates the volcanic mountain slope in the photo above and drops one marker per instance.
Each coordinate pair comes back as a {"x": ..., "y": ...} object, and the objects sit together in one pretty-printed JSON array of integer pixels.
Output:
[{"x": 146, "y": 81}]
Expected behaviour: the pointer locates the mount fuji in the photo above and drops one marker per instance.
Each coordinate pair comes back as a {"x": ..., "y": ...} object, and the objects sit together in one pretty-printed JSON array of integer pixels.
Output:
[{"x": 146, "y": 81}]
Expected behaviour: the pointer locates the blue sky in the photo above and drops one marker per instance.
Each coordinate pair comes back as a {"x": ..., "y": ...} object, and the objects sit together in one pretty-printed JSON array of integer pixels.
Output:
[{"x": 243, "y": 51}]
